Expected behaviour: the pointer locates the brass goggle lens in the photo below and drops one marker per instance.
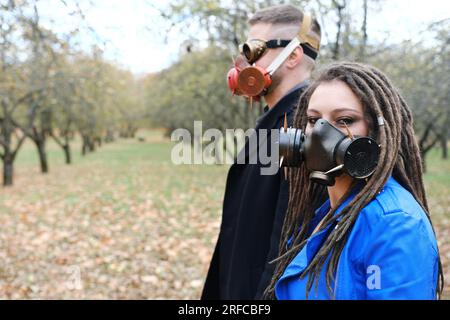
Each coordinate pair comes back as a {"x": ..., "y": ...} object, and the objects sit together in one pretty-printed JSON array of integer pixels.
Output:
[{"x": 252, "y": 50}]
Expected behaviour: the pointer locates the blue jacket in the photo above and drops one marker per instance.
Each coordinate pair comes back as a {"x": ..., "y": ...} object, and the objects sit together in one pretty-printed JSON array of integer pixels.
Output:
[{"x": 391, "y": 253}]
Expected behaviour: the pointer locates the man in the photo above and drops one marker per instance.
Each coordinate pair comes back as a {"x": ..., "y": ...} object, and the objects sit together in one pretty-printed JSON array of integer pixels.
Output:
[{"x": 254, "y": 204}]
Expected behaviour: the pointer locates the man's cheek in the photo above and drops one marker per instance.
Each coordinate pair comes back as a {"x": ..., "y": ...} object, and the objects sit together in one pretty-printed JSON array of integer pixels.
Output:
[{"x": 265, "y": 60}]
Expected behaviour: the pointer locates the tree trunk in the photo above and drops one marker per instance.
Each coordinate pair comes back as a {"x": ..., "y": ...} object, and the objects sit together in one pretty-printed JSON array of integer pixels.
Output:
[
  {"x": 84, "y": 146},
  {"x": 98, "y": 141},
  {"x": 40, "y": 144},
  {"x": 88, "y": 145},
  {"x": 109, "y": 136},
  {"x": 65, "y": 146},
  {"x": 339, "y": 23},
  {"x": 9, "y": 153},
  {"x": 443, "y": 142},
  {"x": 424, "y": 162},
  {"x": 362, "y": 50},
  {"x": 424, "y": 150},
  {"x": 8, "y": 170},
  {"x": 67, "y": 153},
  {"x": 91, "y": 145}
]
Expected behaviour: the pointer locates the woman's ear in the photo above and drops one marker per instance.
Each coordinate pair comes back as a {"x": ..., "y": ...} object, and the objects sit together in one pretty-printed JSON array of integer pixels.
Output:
[{"x": 295, "y": 58}]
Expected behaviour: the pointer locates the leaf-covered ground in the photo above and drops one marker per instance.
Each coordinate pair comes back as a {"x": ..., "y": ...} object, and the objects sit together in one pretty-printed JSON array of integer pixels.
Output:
[{"x": 124, "y": 223}]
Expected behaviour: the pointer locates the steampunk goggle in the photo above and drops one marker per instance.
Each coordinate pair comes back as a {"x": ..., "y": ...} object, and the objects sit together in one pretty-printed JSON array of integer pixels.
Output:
[{"x": 254, "y": 49}]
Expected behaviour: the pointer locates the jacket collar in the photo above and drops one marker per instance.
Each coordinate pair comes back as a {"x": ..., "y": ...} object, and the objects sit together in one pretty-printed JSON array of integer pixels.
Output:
[{"x": 305, "y": 256}]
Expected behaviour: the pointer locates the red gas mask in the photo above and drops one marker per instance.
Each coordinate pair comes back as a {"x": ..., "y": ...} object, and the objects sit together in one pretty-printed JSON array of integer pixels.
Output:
[
  {"x": 252, "y": 81},
  {"x": 247, "y": 80}
]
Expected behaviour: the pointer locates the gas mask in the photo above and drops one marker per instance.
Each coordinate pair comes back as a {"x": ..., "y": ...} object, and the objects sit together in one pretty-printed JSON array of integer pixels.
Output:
[
  {"x": 252, "y": 81},
  {"x": 327, "y": 152}
]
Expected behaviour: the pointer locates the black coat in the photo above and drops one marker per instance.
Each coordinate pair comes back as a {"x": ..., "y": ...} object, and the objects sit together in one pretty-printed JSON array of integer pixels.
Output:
[{"x": 254, "y": 207}]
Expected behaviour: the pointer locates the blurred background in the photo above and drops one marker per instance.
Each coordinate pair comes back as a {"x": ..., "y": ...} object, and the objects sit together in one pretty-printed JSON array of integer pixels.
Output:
[{"x": 91, "y": 205}]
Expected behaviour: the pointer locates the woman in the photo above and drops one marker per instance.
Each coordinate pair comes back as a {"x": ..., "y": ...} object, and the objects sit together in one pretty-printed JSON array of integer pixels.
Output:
[{"x": 372, "y": 238}]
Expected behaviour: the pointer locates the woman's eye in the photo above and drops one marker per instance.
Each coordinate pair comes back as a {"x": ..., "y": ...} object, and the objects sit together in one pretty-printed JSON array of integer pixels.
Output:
[
  {"x": 345, "y": 121},
  {"x": 312, "y": 121}
]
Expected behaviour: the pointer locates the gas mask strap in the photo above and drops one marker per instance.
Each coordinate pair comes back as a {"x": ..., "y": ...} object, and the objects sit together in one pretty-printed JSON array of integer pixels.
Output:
[
  {"x": 302, "y": 37},
  {"x": 283, "y": 56}
]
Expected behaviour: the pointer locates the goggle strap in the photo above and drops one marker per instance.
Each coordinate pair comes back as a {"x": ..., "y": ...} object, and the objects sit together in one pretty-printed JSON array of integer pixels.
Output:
[
  {"x": 278, "y": 43},
  {"x": 273, "y": 44}
]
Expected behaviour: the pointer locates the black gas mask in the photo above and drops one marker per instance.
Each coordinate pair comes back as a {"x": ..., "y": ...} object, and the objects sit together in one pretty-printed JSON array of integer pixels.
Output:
[{"x": 327, "y": 152}]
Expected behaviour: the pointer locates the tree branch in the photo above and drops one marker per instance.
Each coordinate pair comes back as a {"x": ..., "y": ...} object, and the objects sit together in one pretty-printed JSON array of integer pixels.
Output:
[
  {"x": 22, "y": 128},
  {"x": 19, "y": 144},
  {"x": 3, "y": 143},
  {"x": 57, "y": 140}
]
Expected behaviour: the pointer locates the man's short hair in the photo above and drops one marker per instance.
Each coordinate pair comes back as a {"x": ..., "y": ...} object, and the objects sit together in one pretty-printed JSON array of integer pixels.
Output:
[{"x": 285, "y": 14}]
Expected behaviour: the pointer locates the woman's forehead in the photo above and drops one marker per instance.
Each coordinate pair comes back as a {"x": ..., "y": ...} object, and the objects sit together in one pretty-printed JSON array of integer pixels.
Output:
[{"x": 334, "y": 96}]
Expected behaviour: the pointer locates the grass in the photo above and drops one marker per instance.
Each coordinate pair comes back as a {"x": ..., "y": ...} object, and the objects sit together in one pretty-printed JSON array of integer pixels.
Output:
[
  {"x": 437, "y": 182},
  {"x": 125, "y": 223},
  {"x": 133, "y": 223}
]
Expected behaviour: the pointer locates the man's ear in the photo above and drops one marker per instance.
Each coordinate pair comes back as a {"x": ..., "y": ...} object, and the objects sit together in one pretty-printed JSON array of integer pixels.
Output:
[{"x": 295, "y": 58}]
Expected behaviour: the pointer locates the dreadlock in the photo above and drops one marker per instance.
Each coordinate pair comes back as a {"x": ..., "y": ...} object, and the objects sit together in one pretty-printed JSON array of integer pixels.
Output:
[{"x": 399, "y": 156}]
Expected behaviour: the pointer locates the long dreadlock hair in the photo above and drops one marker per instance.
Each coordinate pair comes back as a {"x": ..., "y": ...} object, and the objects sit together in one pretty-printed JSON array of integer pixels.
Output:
[{"x": 399, "y": 156}]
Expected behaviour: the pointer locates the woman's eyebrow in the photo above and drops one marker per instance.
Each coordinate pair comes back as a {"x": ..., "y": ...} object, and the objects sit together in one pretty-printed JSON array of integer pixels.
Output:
[
  {"x": 335, "y": 110},
  {"x": 345, "y": 109}
]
